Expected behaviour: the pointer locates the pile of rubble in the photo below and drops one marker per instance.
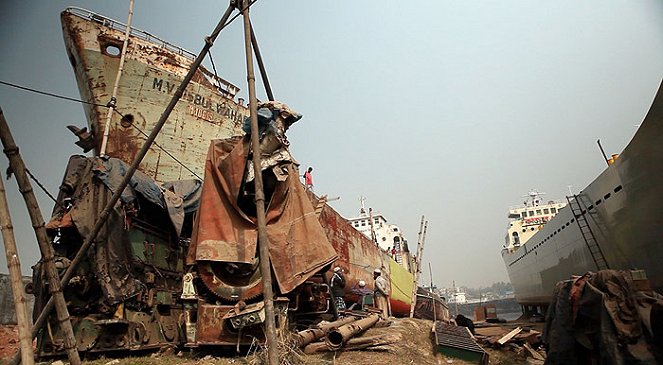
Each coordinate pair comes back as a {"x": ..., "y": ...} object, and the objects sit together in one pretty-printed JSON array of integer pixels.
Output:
[{"x": 522, "y": 340}]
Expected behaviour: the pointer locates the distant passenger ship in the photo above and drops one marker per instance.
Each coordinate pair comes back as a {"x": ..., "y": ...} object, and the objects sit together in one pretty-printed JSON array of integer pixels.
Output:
[{"x": 616, "y": 222}]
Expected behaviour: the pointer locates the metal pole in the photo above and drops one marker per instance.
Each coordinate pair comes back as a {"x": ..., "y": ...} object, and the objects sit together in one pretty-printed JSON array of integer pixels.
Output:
[
  {"x": 415, "y": 278},
  {"x": 263, "y": 242},
  {"x": 209, "y": 41},
  {"x": 261, "y": 65},
  {"x": 54, "y": 285},
  {"x": 14, "y": 266},
  {"x": 432, "y": 296},
  {"x": 598, "y": 141},
  {"x": 113, "y": 100},
  {"x": 417, "y": 269}
]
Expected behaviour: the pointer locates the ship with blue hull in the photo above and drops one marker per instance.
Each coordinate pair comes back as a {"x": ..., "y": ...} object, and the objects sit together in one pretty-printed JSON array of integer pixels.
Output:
[{"x": 616, "y": 222}]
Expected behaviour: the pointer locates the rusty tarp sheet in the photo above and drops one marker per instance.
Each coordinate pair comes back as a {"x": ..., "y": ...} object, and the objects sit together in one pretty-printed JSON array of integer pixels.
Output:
[
  {"x": 109, "y": 251},
  {"x": 298, "y": 247}
]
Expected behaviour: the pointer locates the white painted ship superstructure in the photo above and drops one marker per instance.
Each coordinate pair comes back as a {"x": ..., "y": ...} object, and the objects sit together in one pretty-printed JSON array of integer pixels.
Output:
[
  {"x": 387, "y": 236},
  {"x": 527, "y": 220}
]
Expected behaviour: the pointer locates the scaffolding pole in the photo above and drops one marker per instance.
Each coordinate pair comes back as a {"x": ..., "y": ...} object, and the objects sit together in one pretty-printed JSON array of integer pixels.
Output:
[
  {"x": 14, "y": 266},
  {"x": 263, "y": 241},
  {"x": 55, "y": 287}
]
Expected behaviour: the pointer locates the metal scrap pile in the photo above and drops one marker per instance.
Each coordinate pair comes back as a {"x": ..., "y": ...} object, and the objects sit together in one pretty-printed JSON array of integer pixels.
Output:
[
  {"x": 521, "y": 340},
  {"x": 608, "y": 317},
  {"x": 337, "y": 335}
]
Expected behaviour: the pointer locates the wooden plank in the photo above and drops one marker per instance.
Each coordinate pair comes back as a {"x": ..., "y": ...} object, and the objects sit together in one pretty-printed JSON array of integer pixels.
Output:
[{"x": 509, "y": 336}]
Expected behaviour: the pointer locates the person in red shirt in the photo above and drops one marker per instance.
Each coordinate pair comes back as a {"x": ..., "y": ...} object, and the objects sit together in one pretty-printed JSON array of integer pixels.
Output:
[{"x": 308, "y": 179}]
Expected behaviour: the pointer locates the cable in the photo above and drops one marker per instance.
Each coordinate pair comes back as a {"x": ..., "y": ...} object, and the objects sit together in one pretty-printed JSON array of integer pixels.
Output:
[
  {"x": 43, "y": 188},
  {"x": 161, "y": 148},
  {"x": 49, "y": 94}
]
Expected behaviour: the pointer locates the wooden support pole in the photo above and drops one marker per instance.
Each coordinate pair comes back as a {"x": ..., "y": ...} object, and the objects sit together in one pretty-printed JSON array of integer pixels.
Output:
[
  {"x": 54, "y": 285},
  {"x": 263, "y": 241},
  {"x": 261, "y": 66},
  {"x": 14, "y": 266}
]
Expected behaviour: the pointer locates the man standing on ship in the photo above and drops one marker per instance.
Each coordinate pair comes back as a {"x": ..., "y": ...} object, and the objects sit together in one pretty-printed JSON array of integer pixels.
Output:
[
  {"x": 337, "y": 284},
  {"x": 308, "y": 179},
  {"x": 381, "y": 292}
]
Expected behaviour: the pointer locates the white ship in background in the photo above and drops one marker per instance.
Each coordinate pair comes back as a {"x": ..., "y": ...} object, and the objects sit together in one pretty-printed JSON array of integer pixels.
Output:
[
  {"x": 527, "y": 220},
  {"x": 616, "y": 222},
  {"x": 386, "y": 235}
]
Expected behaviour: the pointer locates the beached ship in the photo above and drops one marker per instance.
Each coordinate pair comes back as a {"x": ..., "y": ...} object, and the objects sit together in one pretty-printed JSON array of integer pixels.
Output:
[
  {"x": 177, "y": 261},
  {"x": 616, "y": 222}
]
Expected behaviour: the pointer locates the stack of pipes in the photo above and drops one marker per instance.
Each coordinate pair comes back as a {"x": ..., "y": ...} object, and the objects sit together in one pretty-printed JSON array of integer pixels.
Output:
[{"x": 337, "y": 334}]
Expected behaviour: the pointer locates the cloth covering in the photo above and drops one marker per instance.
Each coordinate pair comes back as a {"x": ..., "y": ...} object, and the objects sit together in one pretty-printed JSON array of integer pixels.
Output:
[
  {"x": 89, "y": 183},
  {"x": 598, "y": 318},
  {"x": 298, "y": 246}
]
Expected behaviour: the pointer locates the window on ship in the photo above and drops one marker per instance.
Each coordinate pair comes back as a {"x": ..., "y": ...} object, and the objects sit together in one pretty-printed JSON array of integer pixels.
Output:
[
  {"x": 516, "y": 239},
  {"x": 553, "y": 210},
  {"x": 546, "y": 211},
  {"x": 525, "y": 214},
  {"x": 538, "y": 212}
]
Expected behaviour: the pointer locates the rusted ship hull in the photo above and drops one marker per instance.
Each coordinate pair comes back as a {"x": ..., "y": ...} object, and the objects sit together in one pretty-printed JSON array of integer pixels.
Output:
[
  {"x": 138, "y": 288},
  {"x": 359, "y": 256},
  {"x": 152, "y": 71},
  {"x": 622, "y": 208}
]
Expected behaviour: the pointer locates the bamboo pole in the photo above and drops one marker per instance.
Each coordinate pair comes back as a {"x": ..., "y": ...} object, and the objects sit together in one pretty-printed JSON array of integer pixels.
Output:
[
  {"x": 54, "y": 285},
  {"x": 261, "y": 66},
  {"x": 263, "y": 241},
  {"x": 14, "y": 266},
  {"x": 101, "y": 221},
  {"x": 113, "y": 99},
  {"x": 417, "y": 270}
]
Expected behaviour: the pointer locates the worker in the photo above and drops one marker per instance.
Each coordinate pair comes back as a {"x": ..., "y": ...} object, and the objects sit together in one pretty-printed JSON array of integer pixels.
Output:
[
  {"x": 337, "y": 284},
  {"x": 381, "y": 292},
  {"x": 308, "y": 179},
  {"x": 361, "y": 291}
]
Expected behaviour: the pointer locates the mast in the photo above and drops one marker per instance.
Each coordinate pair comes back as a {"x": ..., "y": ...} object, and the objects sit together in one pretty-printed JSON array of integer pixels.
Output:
[{"x": 113, "y": 100}]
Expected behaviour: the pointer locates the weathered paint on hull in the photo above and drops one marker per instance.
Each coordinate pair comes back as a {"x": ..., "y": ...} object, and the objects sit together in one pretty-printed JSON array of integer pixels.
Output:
[
  {"x": 626, "y": 218},
  {"x": 359, "y": 256},
  {"x": 150, "y": 77},
  {"x": 151, "y": 74}
]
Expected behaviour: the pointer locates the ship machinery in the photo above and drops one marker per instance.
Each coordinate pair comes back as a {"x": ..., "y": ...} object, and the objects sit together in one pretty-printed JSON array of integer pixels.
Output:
[{"x": 176, "y": 262}]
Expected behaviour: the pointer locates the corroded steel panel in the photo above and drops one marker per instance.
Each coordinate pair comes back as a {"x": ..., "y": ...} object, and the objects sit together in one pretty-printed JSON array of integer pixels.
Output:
[
  {"x": 152, "y": 73},
  {"x": 359, "y": 257}
]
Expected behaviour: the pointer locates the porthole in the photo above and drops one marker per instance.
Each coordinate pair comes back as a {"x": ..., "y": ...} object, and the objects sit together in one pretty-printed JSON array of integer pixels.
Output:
[
  {"x": 617, "y": 189},
  {"x": 590, "y": 208},
  {"x": 598, "y": 202},
  {"x": 606, "y": 196},
  {"x": 112, "y": 50}
]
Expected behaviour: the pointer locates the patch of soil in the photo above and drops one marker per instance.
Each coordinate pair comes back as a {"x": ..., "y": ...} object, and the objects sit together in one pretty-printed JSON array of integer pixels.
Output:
[{"x": 8, "y": 341}]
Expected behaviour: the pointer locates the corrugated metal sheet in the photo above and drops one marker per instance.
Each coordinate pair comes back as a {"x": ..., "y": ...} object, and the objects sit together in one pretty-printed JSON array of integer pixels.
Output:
[{"x": 459, "y": 339}]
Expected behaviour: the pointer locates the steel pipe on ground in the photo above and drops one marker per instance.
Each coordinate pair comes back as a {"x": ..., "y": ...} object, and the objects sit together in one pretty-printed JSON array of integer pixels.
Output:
[
  {"x": 307, "y": 336},
  {"x": 337, "y": 337}
]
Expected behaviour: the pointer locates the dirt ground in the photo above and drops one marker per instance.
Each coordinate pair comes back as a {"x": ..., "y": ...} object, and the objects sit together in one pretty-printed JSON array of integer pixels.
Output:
[{"x": 416, "y": 347}]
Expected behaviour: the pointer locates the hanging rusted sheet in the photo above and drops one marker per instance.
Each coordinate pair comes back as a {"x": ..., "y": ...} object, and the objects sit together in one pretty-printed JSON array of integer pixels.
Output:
[{"x": 225, "y": 233}]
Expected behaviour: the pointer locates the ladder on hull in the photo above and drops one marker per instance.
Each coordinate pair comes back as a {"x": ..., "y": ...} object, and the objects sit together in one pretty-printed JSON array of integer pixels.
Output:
[{"x": 579, "y": 211}]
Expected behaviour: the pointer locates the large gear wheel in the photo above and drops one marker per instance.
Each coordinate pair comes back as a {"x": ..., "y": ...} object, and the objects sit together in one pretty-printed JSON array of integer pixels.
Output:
[{"x": 230, "y": 280}]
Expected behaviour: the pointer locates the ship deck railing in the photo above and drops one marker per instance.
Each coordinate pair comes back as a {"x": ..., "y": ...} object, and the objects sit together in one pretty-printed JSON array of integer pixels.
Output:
[{"x": 217, "y": 81}]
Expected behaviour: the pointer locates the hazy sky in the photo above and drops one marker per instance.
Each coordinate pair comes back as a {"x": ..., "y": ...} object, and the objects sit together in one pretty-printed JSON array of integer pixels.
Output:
[{"x": 448, "y": 109}]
